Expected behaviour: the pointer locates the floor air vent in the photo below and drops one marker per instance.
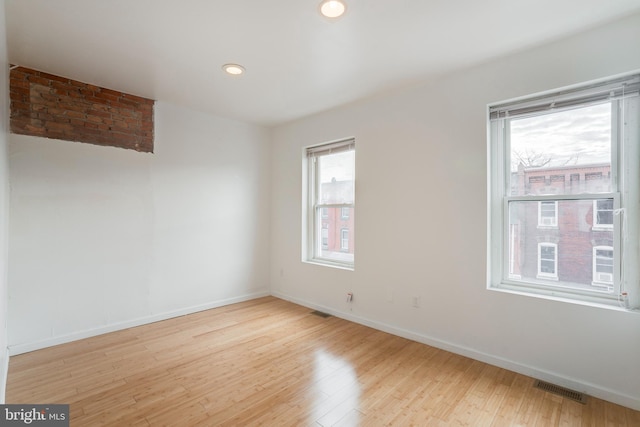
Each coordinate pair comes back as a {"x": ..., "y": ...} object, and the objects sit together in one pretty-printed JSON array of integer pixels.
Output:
[
  {"x": 321, "y": 314},
  {"x": 561, "y": 391}
]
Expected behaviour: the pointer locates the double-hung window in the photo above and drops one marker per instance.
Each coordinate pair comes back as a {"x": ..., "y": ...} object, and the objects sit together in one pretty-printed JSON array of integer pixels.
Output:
[
  {"x": 564, "y": 194},
  {"x": 603, "y": 213},
  {"x": 548, "y": 213},
  {"x": 547, "y": 261},
  {"x": 602, "y": 266},
  {"x": 330, "y": 173}
]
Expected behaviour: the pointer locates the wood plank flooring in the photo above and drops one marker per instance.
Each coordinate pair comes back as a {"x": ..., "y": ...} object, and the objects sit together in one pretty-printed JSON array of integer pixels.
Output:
[{"x": 269, "y": 362}]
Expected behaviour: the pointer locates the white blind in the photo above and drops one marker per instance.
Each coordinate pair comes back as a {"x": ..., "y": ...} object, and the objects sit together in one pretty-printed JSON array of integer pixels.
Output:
[
  {"x": 597, "y": 92},
  {"x": 331, "y": 148}
]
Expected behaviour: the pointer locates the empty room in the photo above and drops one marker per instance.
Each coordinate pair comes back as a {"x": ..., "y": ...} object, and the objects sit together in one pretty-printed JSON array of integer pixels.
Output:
[{"x": 320, "y": 213}]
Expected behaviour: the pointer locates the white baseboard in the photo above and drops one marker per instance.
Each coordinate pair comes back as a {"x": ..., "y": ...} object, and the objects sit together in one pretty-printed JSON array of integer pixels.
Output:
[
  {"x": 4, "y": 367},
  {"x": 530, "y": 371},
  {"x": 32, "y": 346}
]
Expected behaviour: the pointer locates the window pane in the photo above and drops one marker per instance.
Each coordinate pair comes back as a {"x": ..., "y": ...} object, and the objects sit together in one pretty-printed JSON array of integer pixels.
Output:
[
  {"x": 336, "y": 174},
  {"x": 337, "y": 235},
  {"x": 331, "y": 169},
  {"x": 344, "y": 239},
  {"x": 325, "y": 236},
  {"x": 604, "y": 212},
  {"x": 561, "y": 256},
  {"x": 548, "y": 209},
  {"x": 604, "y": 261},
  {"x": 563, "y": 152},
  {"x": 548, "y": 215}
]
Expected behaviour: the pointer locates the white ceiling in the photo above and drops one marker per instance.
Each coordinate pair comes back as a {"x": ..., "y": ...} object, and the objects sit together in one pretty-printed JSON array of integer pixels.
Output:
[{"x": 297, "y": 62}]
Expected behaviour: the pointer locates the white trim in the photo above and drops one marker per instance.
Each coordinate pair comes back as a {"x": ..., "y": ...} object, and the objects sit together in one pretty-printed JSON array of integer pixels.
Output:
[
  {"x": 594, "y": 390},
  {"x": 596, "y": 225},
  {"x": 324, "y": 236},
  {"x": 323, "y": 262},
  {"x": 49, "y": 342},
  {"x": 554, "y": 220},
  {"x": 623, "y": 185},
  {"x": 343, "y": 246},
  {"x": 4, "y": 374},
  {"x": 342, "y": 210},
  {"x": 312, "y": 218},
  {"x": 541, "y": 274},
  {"x": 595, "y": 277}
]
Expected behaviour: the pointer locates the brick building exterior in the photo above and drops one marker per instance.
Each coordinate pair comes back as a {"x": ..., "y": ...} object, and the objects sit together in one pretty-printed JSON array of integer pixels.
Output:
[
  {"x": 337, "y": 230},
  {"x": 566, "y": 242}
]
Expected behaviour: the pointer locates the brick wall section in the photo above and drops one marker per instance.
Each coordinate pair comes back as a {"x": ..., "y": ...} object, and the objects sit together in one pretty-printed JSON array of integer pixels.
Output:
[{"x": 56, "y": 107}]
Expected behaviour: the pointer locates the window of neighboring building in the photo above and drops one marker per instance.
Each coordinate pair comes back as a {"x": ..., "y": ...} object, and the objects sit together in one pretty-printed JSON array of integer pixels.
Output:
[
  {"x": 344, "y": 239},
  {"x": 330, "y": 175},
  {"x": 535, "y": 142},
  {"x": 603, "y": 213},
  {"x": 603, "y": 265},
  {"x": 548, "y": 260},
  {"x": 325, "y": 236},
  {"x": 548, "y": 213}
]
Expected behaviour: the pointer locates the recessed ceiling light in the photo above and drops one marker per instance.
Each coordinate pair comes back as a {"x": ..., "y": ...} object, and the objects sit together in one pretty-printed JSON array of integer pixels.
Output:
[
  {"x": 233, "y": 69},
  {"x": 333, "y": 8}
]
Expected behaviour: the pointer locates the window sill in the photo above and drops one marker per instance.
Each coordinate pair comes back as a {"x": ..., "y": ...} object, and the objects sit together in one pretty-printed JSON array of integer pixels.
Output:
[
  {"x": 324, "y": 263},
  {"x": 612, "y": 304}
]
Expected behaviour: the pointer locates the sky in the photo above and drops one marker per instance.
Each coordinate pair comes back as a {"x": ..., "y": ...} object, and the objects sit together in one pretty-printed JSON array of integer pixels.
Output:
[
  {"x": 339, "y": 166},
  {"x": 571, "y": 137}
]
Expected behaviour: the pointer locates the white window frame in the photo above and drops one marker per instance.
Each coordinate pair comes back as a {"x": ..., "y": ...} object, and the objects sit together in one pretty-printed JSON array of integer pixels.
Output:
[
  {"x": 554, "y": 220},
  {"x": 312, "y": 217},
  {"x": 344, "y": 241},
  {"x": 344, "y": 215},
  {"x": 596, "y": 224},
  {"x": 544, "y": 275},
  {"x": 324, "y": 236},
  {"x": 599, "y": 280},
  {"x": 623, "y": 91}
]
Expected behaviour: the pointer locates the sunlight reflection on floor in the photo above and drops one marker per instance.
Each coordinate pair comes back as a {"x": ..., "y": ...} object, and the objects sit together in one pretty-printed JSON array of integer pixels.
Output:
[{"x": 336, "y": 389}]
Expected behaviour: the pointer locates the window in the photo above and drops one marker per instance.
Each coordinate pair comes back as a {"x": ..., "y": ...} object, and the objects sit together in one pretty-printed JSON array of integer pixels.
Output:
[
  {"x": 547, "y": 260},
  {"x": 344, "y": 239},
  {"x": 603, "y": 213},
  {"x": 575, "y": 152},
  {"x": 325, "y": 236},
  {"x": 330, "y": 173},
  {"x": 603, "y": 266},
  {"x": 548, "y": 213}
]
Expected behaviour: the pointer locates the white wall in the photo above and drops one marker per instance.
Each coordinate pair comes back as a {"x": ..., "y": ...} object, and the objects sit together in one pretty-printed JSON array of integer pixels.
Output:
[
  {"x": 103, "y": 238},
  {"x": 421, "y": 222},
  {"x": 4, "y": 199}
]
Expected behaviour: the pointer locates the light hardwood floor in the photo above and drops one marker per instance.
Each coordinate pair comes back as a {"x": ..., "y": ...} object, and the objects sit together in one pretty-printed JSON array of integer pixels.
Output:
[{"x": 270, "y": 362}]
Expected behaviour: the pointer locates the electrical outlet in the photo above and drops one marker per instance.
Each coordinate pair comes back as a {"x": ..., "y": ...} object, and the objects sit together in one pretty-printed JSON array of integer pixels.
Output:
[
  {"x": 349, "y": 297},
  {"x": 415, "y": 302}
]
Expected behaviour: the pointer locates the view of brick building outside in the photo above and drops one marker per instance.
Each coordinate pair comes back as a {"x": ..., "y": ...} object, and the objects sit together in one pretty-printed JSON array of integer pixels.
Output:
[
  {"x": 563, "y": 242},
  {"x": 337, "y": 232}
]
